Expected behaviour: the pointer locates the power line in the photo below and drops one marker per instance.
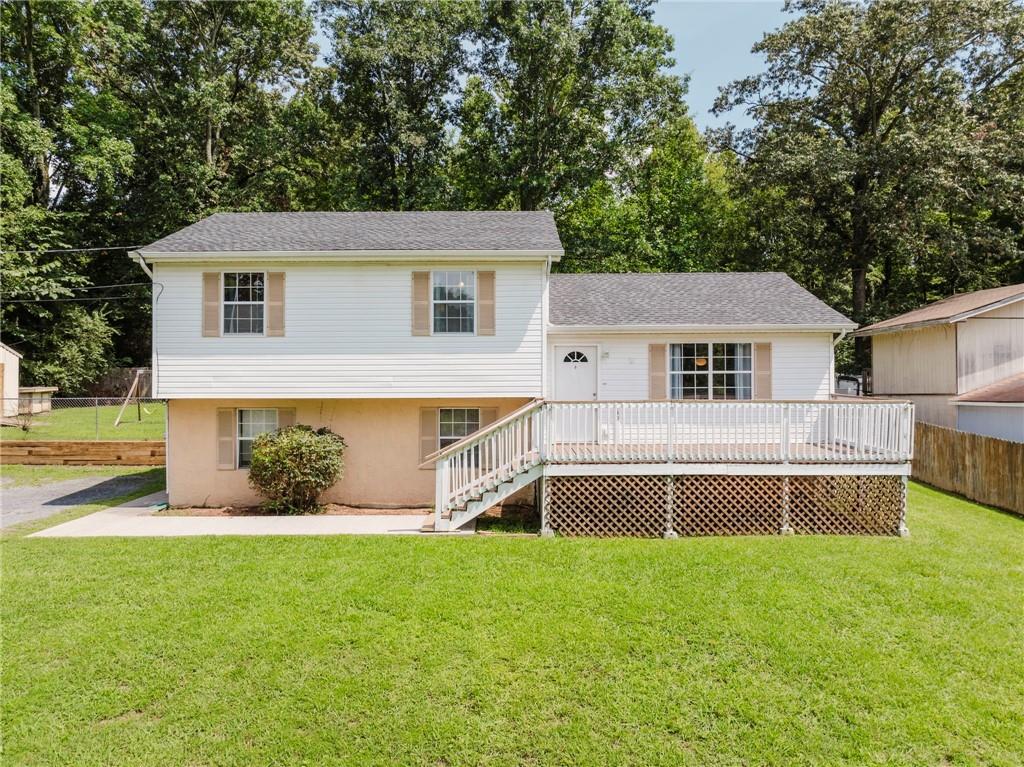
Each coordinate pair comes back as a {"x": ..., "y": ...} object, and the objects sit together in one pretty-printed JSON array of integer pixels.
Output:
[
  {"x": 63, "y": 300},
  {"x": 67, "y": 250}
]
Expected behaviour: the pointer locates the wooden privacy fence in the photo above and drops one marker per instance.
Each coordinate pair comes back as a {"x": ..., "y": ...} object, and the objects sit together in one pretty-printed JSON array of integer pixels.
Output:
[
  {"x": 83, "y": 452},
  {"x": 984, "y": 469}
]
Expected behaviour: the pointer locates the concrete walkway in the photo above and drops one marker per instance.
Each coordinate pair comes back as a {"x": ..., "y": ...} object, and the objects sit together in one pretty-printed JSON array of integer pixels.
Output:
[
  {"x": 31, "y": 502},
  {"x": 137, "y": 519}
]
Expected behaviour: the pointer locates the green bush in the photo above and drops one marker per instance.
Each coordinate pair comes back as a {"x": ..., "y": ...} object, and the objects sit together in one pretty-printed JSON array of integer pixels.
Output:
[{"x": 291, "y": 467}]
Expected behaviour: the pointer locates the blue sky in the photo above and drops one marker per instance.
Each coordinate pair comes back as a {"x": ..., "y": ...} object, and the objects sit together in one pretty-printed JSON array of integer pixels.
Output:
[{"x": 713, "y": 40}]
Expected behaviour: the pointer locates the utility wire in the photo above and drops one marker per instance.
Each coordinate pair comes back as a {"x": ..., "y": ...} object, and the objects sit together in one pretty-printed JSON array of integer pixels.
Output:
[
  {"x": 67, "y": 250},
  {"x": 63, "y": 300}
]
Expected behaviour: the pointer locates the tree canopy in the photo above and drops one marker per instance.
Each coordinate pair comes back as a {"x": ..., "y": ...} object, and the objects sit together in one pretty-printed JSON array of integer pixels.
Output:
[{"x": 884, "y": 167}]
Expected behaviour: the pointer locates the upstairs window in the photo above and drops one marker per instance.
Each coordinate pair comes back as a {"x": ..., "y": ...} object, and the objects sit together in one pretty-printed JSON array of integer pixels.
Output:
[
  {"x": 710, "y": 371},
  {"x": 244, "y": 303},
  {"x": 454, "y": 302}
]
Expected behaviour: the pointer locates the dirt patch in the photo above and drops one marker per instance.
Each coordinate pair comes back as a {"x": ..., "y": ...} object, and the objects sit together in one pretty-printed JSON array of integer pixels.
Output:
[{"x": 331, "y": 509}]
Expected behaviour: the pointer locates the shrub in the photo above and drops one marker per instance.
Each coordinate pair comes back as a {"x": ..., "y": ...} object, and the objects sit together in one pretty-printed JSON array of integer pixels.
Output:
[{"x": 291, "y": 467}]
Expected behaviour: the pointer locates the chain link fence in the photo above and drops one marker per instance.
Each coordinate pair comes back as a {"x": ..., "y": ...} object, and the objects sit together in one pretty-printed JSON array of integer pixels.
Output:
[{"x": 83, "y": 418}]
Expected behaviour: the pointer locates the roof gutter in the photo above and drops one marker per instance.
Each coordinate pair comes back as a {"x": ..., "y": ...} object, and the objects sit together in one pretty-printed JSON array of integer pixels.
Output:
[
  {"x": 353, "y": 255},
  {"x": 706, "y": 328}
]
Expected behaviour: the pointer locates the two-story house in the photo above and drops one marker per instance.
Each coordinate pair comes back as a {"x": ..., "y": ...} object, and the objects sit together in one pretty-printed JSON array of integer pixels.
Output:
[
  {"x": 960, "y": 360},
  {"x": 460, "y": 371}
]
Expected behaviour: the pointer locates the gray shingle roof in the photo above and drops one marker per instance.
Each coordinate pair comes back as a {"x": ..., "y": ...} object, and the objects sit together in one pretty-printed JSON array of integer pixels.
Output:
[
  {"x": 681, "y": 299},
  {"x": 365, "y": 231}
]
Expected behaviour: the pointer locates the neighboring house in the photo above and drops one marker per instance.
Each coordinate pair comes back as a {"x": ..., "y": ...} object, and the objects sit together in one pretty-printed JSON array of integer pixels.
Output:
[
  {"x": 446, "y": 353},
  {"x": 960, "y": 360},
  {"x": 10, "y": 362}
]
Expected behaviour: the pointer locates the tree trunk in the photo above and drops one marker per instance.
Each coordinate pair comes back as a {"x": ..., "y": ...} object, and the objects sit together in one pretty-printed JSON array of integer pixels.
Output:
[{"x": 41, "y": 182}]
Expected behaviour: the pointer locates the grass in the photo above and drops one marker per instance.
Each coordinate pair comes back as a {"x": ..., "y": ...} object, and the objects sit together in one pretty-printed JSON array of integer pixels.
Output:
[
  {"x": 154, "y": 481},
  {"x": 80, "y": 423},
  {"x": 20, "y": 475},
  {"x": 508, "y": 651}
]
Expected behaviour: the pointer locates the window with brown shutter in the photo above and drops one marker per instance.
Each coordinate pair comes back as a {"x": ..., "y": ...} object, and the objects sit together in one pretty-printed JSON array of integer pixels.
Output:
[
  {"x": 762, "y": 371},
  {"x": 657, "y": 384},
  {"x": 275, "y": 303},
  {"x": 421, "y": 303},
  {"x": 225, "y": 438},
  {"x": 428, "y": 431},
  {"x": 211, "y": 304},
  {"x": 485, "y": 303}
]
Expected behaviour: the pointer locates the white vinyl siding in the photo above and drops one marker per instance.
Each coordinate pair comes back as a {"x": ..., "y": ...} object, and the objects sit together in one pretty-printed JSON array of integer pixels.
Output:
[
  {"x": 801, "y": 362},
  {"x": 348, "y": 336},
  {"x": 990, "y": 347}
]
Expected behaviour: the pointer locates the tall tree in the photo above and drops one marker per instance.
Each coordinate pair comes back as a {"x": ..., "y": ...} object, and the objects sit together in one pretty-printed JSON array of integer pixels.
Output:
[
  {"x": 872, "y": 149},
  {"x": 567, "y": 93},
  {"x": 397, "y": 67}
]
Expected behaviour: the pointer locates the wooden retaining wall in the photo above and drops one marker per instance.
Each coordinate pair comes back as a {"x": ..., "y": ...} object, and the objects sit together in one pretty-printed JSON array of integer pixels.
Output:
[
  {"x": 984, "y": 469},
  {"x": 84, "y": 453}
]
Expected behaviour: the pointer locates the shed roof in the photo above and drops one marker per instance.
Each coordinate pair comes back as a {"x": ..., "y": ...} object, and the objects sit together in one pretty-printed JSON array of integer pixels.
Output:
[
  {"x": 1008, "y": 390},
  {"x": 446, "y": 231},
  {"x": 687, "y": 299},
  {"x": 947, "y": 310}
]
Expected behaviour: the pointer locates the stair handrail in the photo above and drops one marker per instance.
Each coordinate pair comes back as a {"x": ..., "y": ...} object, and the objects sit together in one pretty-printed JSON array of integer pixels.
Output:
[
  {"x": 460, "y": 473},
  {"x": 479, "y": 434}
]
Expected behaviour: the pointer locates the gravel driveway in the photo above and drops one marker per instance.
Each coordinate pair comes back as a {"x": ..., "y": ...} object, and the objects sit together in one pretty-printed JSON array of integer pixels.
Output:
[{"x": 25, "y": 504}]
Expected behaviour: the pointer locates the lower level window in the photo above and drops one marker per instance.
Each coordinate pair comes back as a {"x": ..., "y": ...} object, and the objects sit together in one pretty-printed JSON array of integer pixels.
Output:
[
  {"x": 252, "y": 423},
  {"x": 456, "y": 423},
  {"x": 710, "y": 371}
]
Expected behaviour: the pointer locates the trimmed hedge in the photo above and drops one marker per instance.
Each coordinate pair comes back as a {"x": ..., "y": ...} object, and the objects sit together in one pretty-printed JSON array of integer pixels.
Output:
[{"x": 292, "y": 466}]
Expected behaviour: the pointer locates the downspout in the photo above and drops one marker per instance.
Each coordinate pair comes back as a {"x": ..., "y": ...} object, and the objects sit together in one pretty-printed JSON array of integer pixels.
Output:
[
  {"x": 832, "y": 379},
  {"x": 158, "y": 289}
]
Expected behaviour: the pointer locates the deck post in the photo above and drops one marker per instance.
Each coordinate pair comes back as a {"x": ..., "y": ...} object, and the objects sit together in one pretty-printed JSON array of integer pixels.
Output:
[
  {"x": 545, "y": 528},
  {"x": 440, "y": 482},
  {"x": 785, "y": 529},
  {"x": 670, "y": 508},
  {"x": 904, "y": 531}
]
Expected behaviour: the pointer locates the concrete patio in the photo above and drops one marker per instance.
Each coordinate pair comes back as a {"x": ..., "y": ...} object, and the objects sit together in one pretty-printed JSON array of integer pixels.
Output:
[{"x": 138, "y": 518}]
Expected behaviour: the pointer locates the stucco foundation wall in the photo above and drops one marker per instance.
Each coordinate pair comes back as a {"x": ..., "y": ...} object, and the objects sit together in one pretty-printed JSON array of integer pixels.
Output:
[{"x": 381, "y": 462}]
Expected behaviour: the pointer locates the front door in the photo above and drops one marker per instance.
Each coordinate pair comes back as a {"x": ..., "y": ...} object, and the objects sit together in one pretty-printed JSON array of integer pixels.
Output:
[
  {"x": 576, "y": 373},
  {"x": 575, "y": 381}
]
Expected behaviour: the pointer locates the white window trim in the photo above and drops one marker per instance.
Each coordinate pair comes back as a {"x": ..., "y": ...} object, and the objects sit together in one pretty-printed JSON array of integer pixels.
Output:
[
  {"x": 456, "y": 407},
  {"x": 238, "y": 431},
  {"x": 710, "y": 372},
  {"x": 475, "y": 303},
  {"x": 223, "y": 332}
]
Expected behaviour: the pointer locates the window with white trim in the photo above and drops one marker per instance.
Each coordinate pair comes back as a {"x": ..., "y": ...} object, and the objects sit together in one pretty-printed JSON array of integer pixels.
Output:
[
  {"x": 454, "y": 423},
  {"x": 244, "y": 303},
  {"x": 251, "y": 423},
  {"x": 453, "y": 295},
  {"x": 710, "y": 371}
]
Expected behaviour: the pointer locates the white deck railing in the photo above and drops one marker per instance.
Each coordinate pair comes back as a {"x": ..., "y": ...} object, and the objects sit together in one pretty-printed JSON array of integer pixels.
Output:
[{"x": 672, "y": 432}]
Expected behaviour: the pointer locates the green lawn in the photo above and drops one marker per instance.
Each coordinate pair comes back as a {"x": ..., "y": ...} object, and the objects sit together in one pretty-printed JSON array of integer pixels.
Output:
[
  {"x": 508, "y": 651},
  {"x": 80, "y": 423},
  {"x": 20, "y": 475}
]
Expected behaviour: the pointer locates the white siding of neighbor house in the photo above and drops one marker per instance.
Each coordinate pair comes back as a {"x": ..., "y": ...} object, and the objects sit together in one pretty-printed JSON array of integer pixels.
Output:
[
  {"x": 348, "y": 334},
  {"x": 9, "y": 386},
  {"x": 990, "y": 347},
  {"x": 801, "y": 362}
]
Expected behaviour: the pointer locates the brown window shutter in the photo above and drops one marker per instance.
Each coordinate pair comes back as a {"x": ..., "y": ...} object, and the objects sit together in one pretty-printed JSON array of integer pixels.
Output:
[
  {"x": 275, "y": 303},
  {"x": 485, "y": 303},
  {"x": 762, "y": 371},
  {"x": 428, "y": 431},
  {"x": 211, "y": 303},
  {"x": 421, "y": 304},
  {"x": 226, "y": 438},
  {"x": 285, "y": 417},
  {"x": 657, "y": 383}
]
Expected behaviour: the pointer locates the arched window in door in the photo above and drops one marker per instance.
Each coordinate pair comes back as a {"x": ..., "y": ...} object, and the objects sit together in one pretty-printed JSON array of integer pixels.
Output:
[{"x": 575, "y": 357}]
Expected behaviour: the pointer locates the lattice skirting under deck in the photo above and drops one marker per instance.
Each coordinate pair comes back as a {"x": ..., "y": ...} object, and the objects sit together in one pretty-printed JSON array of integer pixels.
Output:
[{"x": 655, "y": 506}]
